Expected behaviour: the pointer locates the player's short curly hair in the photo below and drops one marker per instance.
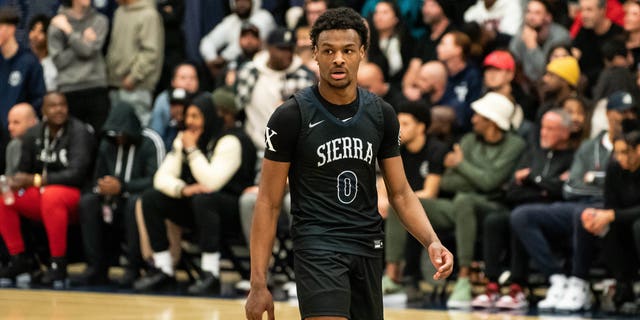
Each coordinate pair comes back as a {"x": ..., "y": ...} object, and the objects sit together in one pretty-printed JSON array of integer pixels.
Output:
[{"x": 340, "y": 19}]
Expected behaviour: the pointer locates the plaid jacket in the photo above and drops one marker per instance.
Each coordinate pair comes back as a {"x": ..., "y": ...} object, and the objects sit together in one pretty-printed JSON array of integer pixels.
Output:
[{"x": 248, "y": 75}]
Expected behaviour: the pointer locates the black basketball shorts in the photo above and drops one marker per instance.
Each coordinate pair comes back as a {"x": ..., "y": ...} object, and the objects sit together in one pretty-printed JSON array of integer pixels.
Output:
[{"x": 338, "y": 284}]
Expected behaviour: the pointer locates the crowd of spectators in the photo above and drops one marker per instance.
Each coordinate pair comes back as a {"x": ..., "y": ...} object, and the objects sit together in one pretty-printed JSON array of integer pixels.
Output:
[{"x": 143, "y": 121}]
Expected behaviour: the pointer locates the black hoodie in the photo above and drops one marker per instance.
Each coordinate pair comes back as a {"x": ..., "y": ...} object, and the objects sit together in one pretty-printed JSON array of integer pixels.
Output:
[{"x": 133, "y": 164}]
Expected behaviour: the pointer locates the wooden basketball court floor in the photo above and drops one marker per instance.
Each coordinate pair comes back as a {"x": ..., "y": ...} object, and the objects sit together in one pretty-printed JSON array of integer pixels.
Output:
[{"x": 17, "y": 304}]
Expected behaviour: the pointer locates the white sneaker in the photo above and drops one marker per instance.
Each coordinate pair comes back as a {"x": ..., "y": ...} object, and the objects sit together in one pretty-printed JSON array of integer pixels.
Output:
[
  {"x": 577, "y": 297},
  {"x": 555, "y": 292}
]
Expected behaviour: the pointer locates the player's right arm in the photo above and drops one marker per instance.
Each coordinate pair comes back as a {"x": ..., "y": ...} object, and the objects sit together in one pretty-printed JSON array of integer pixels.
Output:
[
  {"x": 263, "y": 230},
  {"x": 281, "y": 136}
]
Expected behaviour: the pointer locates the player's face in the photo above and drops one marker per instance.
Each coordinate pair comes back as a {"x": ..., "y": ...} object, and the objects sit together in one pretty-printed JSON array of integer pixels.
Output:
[
  {"x": 410, "y": 128},
  {"x": 338, "y": 54}
]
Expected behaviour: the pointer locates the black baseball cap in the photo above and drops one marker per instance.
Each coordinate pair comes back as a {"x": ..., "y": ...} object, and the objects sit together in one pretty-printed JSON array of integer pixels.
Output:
[{"x": 282, "y": 38}]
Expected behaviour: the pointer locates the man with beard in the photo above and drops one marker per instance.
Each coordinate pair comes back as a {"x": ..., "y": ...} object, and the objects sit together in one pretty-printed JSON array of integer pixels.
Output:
[
  {"x": 558, "y": 83},
  {"x": 54, "y": 164},
  {"x": 538, "y": 35},
  {"x": 595, "y": 31},
  {"x": 222, "y": 44}
]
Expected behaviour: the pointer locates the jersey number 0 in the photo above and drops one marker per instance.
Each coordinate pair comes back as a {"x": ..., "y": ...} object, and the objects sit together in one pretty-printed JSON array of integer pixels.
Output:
[{"x": 347, "y": 186}]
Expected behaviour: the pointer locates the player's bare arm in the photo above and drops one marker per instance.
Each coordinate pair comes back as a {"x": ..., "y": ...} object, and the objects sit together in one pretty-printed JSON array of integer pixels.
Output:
[{"x": 263, "y": 230}]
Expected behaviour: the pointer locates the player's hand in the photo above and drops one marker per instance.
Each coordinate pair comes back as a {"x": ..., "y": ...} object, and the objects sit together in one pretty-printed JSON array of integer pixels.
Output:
[
  {"x": 259, "y": 301},
  {"x": 442, "y": 259}
]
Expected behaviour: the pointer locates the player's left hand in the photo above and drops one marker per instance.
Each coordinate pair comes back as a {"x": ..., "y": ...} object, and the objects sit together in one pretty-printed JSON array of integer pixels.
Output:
[{"x": 442, "y": 259}]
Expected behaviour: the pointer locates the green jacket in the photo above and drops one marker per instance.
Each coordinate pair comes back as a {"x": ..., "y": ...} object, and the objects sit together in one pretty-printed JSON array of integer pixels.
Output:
[{"x": 486, "y": 167}]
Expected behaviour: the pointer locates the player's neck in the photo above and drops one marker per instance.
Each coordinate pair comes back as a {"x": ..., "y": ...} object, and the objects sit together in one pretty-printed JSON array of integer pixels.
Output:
[{"x": 338, "y": 96}]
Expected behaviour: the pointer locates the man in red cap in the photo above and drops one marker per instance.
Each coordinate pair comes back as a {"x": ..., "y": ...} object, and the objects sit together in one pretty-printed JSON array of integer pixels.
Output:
[{"x": 499, "y": 71}]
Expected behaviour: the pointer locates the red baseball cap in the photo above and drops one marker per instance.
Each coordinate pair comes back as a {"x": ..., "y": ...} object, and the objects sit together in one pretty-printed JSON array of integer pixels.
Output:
[{"x": 500, "y": 59}]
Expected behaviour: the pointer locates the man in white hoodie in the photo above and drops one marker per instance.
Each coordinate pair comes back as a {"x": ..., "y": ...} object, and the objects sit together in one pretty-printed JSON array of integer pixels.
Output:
[{"x": 222, "y": 44}]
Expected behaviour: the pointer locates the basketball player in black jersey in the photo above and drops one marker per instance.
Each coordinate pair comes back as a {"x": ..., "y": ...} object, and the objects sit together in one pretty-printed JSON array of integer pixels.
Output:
[{"x": 326, "y": 140}]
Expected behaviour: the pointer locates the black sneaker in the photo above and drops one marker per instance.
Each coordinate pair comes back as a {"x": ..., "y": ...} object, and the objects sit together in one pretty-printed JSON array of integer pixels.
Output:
[
  {"x": 155, "y": 281},
  {"x": 207, "y": 285},
  {"x": 91, "y": 276},
  {"x": 19, "y": 266},
  {"x": 128, "y": 278},
  {"x": 56, "y": 275},
  {"x": 624, "y": 299}
]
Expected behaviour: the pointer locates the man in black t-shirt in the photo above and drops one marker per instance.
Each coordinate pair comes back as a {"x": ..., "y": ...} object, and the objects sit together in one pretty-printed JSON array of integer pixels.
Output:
[
  {"x": 325, "y": 140},
  {"x": 595, "y": 31},
  {"x": 423, "y": 161}
]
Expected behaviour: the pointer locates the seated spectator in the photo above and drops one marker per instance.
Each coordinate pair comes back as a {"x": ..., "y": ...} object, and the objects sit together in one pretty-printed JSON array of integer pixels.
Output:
[
  {"x": 221, "y": 45},
  {"x": 370, "y": 77},
  {"x": 422, "y": 158},
  {"x": 596, "y": 29},
  {"x": 580, "y": 113},
  {"x": 616, "y": 74},
  {"x": 632, "y": 28},
  {"x": 305, "y": 50},
  {"x": 38, "y": 27},
  {"x": 539, "y": 33},
  {"x": 439, "y": 16},
  {"x": 558, "y": 83},
  {"x": 197, "y": 186},
  {"x": 250, "y": 44},
  {"x": 537, "y": 181},
  {"x": 21, "y": 118},
  {"x": 54, "y": 164},
  {"x": 443, "y": 121},
  {"x": 391, "y": 45},
  {"x": 622, "y": 103},
  {"x": 128, "y": 157},
  {"x": 312, "y": 10},
  {"x": 498, "y": 16},
  {"x": 475, "y": 171},
  {"x": 431, "y": 82},
  {"x": 271, "y": 78},
  {"x": 76, "y": 37},
  {"x": 499, "y": 72},
  {"x": 464, "y": 84},
  {"x": 184, "y": 84},
  {"x": 621, "y": 214}
]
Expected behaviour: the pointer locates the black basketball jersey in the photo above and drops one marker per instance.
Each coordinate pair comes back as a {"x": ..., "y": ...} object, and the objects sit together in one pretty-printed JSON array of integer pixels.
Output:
[{"x": 333, "y": 177}]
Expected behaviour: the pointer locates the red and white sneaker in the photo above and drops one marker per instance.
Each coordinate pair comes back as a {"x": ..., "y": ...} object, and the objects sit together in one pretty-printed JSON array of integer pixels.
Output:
[
  {"x": 488, "y": 299},
  {"x": 515, "y": 300}
]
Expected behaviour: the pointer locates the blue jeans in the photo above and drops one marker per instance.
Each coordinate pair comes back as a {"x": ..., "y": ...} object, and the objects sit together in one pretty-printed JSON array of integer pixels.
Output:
[{"x": 537, "y": 225}]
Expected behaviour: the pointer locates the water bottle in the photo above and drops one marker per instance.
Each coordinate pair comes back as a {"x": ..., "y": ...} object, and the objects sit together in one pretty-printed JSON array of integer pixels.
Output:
[{"x": 7, "y": 194}]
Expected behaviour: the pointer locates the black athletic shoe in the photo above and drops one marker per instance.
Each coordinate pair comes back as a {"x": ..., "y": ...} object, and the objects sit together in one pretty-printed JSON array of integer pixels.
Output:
[
  {"x": 91, "y": 276},
  {"x": 20, "y": 265},
  {"x": 155, "y": 281},
  {"x": 128, "y": 278},
  {"x": 56, "y": 275},
  {"x": 207, "y": 285}
]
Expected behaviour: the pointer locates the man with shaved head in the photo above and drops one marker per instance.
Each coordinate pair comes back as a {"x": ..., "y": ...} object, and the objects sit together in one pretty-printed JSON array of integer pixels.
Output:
[
  {"x": 432, "y": 82},
  {"x": 370, "y": 77},
  {"x": 21, "y": 117}
]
